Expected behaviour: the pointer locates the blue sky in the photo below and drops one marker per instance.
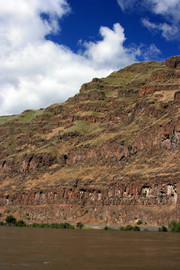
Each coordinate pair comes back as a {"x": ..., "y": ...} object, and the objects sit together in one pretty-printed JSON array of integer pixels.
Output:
[
  {"x": 88, "y": 16},
  {"x": 49, "y": 48}
]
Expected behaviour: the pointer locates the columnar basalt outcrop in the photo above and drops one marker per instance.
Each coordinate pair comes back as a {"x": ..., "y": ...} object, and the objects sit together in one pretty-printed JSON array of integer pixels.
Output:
[
  {"x": 110, "y": 154},
  {"x": 159, "y": 193},
  {"x": 89, "y": 204}
]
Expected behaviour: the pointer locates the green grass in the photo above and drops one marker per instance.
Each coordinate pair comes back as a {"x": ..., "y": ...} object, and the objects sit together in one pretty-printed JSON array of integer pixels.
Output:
[
  {"x": 84, "y": 127},
  {"x": 29, "y": 115},
  {"x": 174, "y": 226},
  {"x": 87, "y": 228},
  {"x": 4, "y": 119}
]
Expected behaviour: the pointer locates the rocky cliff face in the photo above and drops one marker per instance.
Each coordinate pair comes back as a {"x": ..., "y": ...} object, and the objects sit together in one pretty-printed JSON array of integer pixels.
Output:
[{"x": 110, "y": 154}]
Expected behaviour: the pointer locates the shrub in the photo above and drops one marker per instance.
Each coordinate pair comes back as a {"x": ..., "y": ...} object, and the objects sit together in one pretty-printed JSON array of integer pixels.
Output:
[
  {"x": 71, "y": 227},
  {"x": 66, "y": 226},
  {"x": 174, "y": 226},
  {"x": 136, "y": 228},
  {"x": 106, "y": 228},
  {"x": 10, "y": 220},
  {"x": 1, "y": 223},
  {"x": 34, "y": 225},
  {"x": 80, "y": 225},
  {"x": 145, "y": 230},
  {"x": 139, "y": 222},
  {"x": 54, "y": 225},
  {"x": 128, "y": 228},
  {"x": 162, "y": 229},
  {"x": 43, "y": 225},
  {"x": 20, "y": 223}
]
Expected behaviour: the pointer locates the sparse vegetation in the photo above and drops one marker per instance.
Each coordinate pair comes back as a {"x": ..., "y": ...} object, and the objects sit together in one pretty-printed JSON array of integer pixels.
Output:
[
  {"x": 129, "y": 228},
  {"x": 162, "y": 229},
  {"x": 52, "y": 225},
  {"x": 87, "y": 228},
  {"x": 20, "y": 223},
  {"x": 139, "y": 222},
  {"x": 174, "y": 226},
  {"x": 10, "y": 220},
  {"x": 80, "y": 225},
  {"x": 107, "y": 228}
]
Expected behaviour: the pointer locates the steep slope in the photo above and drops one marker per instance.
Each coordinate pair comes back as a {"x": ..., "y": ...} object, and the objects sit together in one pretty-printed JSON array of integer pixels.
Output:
[{"x": 110, "y": 154}]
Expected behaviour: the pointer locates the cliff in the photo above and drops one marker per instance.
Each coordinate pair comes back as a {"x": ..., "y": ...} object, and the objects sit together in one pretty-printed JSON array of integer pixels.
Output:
[{"x": 110, "y": 154}]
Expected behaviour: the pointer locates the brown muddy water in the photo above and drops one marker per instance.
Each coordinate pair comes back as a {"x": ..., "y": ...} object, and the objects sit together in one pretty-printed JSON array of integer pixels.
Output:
[{"x": 36, "y": 249}]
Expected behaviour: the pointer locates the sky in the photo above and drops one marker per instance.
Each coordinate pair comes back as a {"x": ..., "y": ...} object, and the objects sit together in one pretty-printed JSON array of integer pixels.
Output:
[{"x": 49, "y": 48}]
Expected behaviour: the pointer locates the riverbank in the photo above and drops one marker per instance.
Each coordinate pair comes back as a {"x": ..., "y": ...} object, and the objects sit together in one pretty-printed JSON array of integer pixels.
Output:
[{"x": 11, "y": 221}]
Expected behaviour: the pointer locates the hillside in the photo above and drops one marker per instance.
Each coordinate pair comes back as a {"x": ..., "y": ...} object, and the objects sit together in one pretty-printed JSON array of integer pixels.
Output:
[{"x": 110, "y": 154}]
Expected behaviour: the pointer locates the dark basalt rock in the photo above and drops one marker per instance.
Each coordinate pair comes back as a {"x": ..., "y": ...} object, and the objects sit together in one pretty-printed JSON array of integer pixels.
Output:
[{"x": 173, "y": 62}]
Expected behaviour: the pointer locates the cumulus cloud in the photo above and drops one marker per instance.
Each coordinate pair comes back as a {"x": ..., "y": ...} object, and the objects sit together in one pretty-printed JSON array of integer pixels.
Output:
[
  {"x": 36, "y": 72},
  {"x": 110, "y": 51},
  {"x": 169, "y": 10}
]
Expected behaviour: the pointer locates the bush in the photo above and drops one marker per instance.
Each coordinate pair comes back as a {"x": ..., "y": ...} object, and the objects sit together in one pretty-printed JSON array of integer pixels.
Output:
[
  {"x": 34, "y": 225},
  {"x": 139, "y": 222},
  {"x": 43, "y": 225},
  {"x": 66, "y": 226},
  {"x": 106, "y": 228},
  {"x": 10, "y": 220},
  {"x": 128, "y": 228},
  {"x": 162, "y": 229},
  {"x": 80, "y": 225},
  {"x": 136, "y": 228},
  {"x": 20, "y": 223},
  {"x": 54, "y": 225},
  {"x": 174, "y": 226},
  {"x": 1, "y": 223}
]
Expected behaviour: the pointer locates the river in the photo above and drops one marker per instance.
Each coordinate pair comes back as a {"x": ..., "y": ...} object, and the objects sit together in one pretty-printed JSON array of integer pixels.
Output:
[{"x": 43, "y": 249}]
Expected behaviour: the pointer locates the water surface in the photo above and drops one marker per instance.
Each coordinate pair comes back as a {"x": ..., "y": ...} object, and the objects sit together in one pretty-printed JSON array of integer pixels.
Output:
[{"x": 36, "y": 249}]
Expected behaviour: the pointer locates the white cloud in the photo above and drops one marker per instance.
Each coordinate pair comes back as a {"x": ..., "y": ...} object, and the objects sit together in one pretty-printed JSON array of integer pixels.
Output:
[
  {"x": 168, "y": 9},
  {"x": 110, "y": 51},
  {"x": 126, "y": 4},
  {"x": 36, "y": 72},
  {"x": 168, "y": 31},
  {"x": 162, "y": 7},
  {"x": 151, "y": 52}
]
